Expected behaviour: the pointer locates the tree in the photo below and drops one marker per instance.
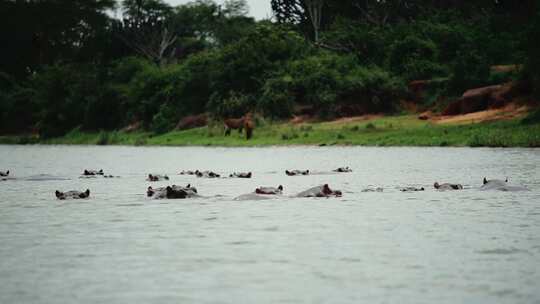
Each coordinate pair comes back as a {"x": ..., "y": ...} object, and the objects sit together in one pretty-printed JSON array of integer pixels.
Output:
[
  {"x": 35, "y": 33},
  {"x": 147, "y": 30},
  {"x": 314, "y": 8}
]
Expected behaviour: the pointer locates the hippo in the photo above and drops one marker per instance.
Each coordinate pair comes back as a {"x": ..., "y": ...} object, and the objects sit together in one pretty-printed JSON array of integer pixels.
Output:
[
  {"x": 296, "y": 172},
  {"x": 269, "y": 190},
  {"x": 93, "y": 172},
  {"x": 497, "y": 184},
  {"x": 72, "y": 194},
  {"x": 4, "y": 174},
  {"x": 156, "y": 177},
  {"x": 447, "y": 186},
  {"x": 172, "y": 192},
  {"x": 207, "y": 174},
  {"x": 411, "y": 189},
  {"x": 261, "y": 193},
  {"x": 188, "y": 172},
  {"x": 241, "y": 175},
  {"x": 343, "y": 169},
  {"x": 320, "y": 191}
]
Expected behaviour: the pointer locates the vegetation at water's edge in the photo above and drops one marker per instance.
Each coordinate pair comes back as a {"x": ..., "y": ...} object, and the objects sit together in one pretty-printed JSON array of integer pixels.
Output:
[{"x": 388, "y": 131}]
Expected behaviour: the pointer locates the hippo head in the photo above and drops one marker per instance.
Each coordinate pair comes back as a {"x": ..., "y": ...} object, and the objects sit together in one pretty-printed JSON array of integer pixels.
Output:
[
  {"x": 60, "y": 195},
  {"x": 249, "y": 175},
  {"x": 191, "y": 188},
  {"x": 85, "y": 194},
  {"x": 305, "y": 172},
  {"x": 436, "y": 185},
  {"x": 150, "y": 191},
  {"x": 327, "y": 191}
]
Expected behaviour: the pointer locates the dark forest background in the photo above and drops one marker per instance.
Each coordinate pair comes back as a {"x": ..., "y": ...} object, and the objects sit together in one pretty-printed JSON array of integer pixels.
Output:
[{"x": 68, "y": 64}]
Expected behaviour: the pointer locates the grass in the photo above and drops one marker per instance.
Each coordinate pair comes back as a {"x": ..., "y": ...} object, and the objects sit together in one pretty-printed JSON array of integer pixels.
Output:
[{"x": 405, "y": 130}]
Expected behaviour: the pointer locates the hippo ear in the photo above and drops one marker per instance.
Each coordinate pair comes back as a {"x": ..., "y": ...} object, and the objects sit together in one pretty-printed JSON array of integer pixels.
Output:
[
  {"x": 436, "y": 185},
  {"x": 100, "y": 170},
  {"x": 85, "y": 171},
  {"x": 87, "y": 192},
  {"x": 7, "y": 172},
  {"x": 280, "y": 187},
  {"x": 58, "y": 193},
  {"x": 485, "y": 181},
  {"x": 506, "y": 180},
  {"x": 149, "y": 188},
  {"x": 188, "y": 186}
]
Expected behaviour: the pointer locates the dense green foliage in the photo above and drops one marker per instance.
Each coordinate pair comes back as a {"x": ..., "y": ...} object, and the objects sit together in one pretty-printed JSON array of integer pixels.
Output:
[{"x": 86, "y": 71}]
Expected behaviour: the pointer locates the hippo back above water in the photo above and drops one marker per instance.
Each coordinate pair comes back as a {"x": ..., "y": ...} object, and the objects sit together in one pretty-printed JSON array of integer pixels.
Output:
[
  {"x": 269, "y": 190},
  {"x": 320, "y": 191},
  {"x": 501, "y": 185}
]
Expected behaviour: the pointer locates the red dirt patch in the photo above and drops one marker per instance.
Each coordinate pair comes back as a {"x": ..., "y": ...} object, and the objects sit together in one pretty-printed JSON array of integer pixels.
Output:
[{"x": 508, "y": 112}]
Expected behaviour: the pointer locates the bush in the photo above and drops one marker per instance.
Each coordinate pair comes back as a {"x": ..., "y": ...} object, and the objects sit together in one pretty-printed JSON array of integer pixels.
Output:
[
  {"x": 233, "y": 105},
  {"x": 469, "y": 70},
  {"x": 415, "y": 58},
  {"x": 277, "y": 98}
]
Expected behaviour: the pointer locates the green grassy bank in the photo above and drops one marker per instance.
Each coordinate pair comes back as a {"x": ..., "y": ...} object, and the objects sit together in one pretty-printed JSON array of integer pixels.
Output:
[{"x": 387, "y": 131}]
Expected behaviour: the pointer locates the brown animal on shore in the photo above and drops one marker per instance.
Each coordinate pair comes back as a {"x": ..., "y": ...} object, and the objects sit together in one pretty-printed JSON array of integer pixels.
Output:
[
  {"x": 233, "y": 123},
  {"x": 249, "y": 126},
  {"x": 244, "y": 122},
  {"x": 193, "y": 121}
]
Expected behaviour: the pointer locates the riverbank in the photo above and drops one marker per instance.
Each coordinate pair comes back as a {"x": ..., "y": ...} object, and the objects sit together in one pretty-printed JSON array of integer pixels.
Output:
[{"x": 405, "y": 130}]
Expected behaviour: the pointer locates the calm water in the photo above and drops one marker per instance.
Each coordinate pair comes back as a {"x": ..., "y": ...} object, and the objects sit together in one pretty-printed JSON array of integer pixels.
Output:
[{"x": 120, "y": 247}]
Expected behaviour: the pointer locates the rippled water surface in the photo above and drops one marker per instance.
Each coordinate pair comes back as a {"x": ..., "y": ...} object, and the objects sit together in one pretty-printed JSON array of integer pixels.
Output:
[{"x": 119, "y": 246}]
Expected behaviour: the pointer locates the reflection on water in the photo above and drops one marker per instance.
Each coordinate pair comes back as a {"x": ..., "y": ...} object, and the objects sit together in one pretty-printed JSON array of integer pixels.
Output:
[{"x": 121, "y": 247}]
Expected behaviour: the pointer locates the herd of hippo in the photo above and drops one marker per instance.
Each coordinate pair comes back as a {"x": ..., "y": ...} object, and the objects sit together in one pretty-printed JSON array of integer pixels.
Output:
[{"x": 179, "y": 192}]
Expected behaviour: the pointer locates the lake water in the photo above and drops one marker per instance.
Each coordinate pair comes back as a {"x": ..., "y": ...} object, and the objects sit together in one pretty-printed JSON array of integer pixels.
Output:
[{"x": 119, "y": 246}]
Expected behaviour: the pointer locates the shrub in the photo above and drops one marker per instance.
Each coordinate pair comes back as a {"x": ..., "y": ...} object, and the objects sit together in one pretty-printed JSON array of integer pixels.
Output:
[
  {"x": 277, "y": 98},
  {"x": 414, "y": 58},
  {"x": 233, "y": 105}
]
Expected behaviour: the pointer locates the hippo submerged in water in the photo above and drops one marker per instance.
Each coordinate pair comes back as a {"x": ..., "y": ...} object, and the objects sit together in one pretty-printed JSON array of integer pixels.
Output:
[
  {"x": 188, "y": 172},
  {"x": 72, "y": 194},
  {"x": 206, "y": 174},
  {"x": 261, "y": 193},
  {"x": 447, "y": 186},
  {"x": 156, "y": 177},
  {"x": 172, "y": 192},
  {"x": 241, "y": 175},
  {"x": 501, "y": 185},
  {"x": 296, "y": 172},
  {"x": 320, "y": 191},
  {"x": 4, "y": 174},
  {"x": 412, "y": 189},
  {"x": 342, "y": 170},
  {"x": 92, "y": 172}
]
